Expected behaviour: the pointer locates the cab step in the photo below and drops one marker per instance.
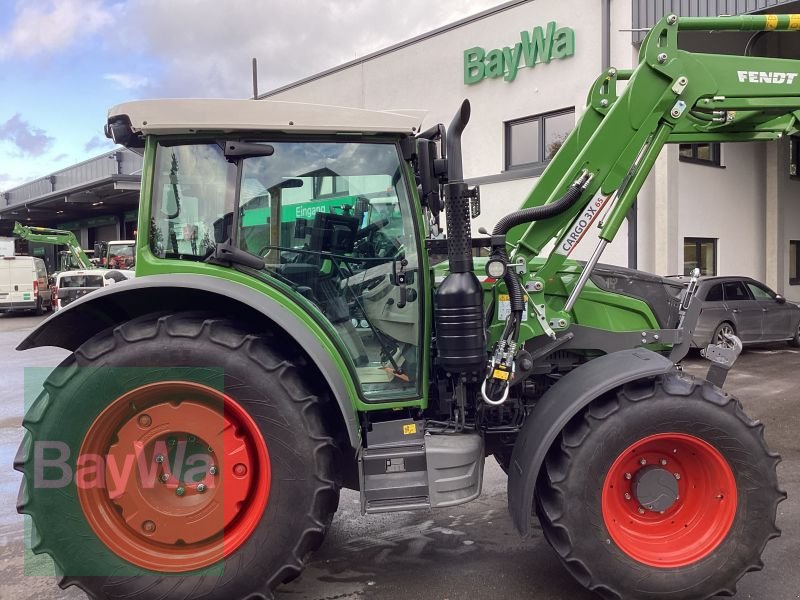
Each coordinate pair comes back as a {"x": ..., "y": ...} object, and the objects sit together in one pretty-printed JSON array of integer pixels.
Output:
[{"x": 404, "y": 468}]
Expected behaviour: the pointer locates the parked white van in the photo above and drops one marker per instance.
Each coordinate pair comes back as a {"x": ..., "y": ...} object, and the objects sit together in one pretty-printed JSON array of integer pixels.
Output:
[{"x": 23, "y": 284}]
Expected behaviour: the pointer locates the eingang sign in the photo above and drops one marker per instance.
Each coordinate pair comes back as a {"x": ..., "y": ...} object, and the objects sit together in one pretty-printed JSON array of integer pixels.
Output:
[{"x": 536, "y": 46}]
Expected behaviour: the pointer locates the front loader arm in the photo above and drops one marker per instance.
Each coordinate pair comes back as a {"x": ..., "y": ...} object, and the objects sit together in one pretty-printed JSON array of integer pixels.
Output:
[
  {"x": 672, "y": 96},
  {"x": 45, "y": 235}
]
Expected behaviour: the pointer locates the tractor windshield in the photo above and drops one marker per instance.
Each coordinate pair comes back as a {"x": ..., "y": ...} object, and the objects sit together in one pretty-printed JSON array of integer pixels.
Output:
[{"x": 331, "y": 219}]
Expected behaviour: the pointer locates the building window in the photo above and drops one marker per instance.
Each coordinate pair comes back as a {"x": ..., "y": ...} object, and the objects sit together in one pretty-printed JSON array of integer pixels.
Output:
[
  {"x": 700, "y": 253},
  {"x": 703, "y": 154},
  {"x": 535, "y": 140},
  {"x": 794, "y": 262}
]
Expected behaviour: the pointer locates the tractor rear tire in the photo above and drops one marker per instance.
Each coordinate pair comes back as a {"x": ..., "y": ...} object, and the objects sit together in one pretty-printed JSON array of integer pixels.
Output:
[
  {"x": 172, "y": 376},
  {"x": 663, "y": 490}
]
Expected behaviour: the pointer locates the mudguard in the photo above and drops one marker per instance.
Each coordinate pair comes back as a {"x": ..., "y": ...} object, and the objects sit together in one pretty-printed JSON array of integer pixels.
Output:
[
  {"x": 80, "y": 320},
  {"x": 559, "y": 404}
]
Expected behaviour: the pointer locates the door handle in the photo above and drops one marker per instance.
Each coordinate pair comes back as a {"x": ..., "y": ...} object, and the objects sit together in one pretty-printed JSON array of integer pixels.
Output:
[
  {"x": 735, "y": 310},
  {"x": 763, "y": 310}
]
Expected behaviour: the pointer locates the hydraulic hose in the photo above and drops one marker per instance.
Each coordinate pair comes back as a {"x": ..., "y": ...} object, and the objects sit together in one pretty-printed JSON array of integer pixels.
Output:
[
  {"x": 547, "y": 211},
  {"x": 515, "y": 296},
  {"x": 527, "y": 215}
]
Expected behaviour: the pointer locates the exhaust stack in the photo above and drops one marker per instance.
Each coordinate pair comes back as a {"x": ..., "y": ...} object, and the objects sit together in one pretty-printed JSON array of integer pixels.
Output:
[{"x": 458, "y": 306}]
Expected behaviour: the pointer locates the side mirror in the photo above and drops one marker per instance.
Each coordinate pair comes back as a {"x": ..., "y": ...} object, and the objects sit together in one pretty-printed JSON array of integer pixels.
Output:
[
  {"x": 780, "y": 299},
  {"x": 222, "y": 227},
  {"x": 116, "y": 276},
  {"x": 429, "y": 184}
]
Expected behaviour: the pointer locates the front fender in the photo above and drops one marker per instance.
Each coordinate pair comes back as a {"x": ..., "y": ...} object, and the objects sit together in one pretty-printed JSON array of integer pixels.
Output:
[
  {"x": 77, "y": 322},
  {"x": 554, "y": 410}
]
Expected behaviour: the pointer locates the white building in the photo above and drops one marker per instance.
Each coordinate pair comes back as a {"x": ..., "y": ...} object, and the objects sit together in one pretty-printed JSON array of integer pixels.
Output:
[{"x": 733, "y": 209}]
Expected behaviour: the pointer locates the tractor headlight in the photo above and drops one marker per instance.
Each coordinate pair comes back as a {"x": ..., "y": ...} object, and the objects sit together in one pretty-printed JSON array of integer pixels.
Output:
[{"x": 495, "y": 268}]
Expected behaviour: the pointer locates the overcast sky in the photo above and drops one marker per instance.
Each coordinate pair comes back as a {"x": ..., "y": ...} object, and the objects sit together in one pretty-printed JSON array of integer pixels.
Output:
[{"x": 64, "y": 62}]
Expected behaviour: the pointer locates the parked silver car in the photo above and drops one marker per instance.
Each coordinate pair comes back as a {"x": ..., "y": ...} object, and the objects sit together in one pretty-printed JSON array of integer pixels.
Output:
[{"x": 744, "y": 307}]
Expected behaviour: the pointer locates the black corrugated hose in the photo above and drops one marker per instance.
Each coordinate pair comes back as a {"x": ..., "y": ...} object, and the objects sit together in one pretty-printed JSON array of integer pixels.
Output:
[
  {"x": 537, "y": 213},
  {"x": 527, "y": 215}
]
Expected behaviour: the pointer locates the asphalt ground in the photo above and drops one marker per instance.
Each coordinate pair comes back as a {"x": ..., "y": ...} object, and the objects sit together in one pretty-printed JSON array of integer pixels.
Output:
[{"x": 469, "y": 551}]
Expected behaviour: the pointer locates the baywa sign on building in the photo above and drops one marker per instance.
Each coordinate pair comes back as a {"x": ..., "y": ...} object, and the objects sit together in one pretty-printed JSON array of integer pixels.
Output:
[{"x": 536, "y": 46}]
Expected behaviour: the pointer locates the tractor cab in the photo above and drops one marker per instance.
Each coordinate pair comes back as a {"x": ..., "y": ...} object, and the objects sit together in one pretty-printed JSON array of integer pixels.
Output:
[{"x": 327, "y": 216}]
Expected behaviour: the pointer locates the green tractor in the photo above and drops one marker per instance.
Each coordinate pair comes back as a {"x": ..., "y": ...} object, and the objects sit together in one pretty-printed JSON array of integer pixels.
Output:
[{"x": 299, "y": 324}]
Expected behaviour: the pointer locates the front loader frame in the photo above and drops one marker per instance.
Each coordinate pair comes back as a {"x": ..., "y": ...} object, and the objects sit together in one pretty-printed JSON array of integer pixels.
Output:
[{"x": 672, "y": 96}]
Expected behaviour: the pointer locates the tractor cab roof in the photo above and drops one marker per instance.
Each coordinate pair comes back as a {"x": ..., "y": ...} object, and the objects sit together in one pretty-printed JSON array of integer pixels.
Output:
[{"x": 131, "y": 121}]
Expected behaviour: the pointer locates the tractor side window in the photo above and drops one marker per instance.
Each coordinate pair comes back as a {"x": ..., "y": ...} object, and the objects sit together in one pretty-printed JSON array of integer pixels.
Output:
[
  {"x": 193, "y": 198},
  {"x": 333, "y": 220}
]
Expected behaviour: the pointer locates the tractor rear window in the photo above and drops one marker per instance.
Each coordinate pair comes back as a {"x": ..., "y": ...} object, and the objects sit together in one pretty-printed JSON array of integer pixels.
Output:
[
  {"x": 192, "y": 201},
  {"x": 81, "y": 281}
]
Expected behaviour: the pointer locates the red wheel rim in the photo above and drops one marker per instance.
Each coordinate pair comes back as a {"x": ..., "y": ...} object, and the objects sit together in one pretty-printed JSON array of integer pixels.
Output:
[
  {"x": 173, "y": 476},
  {"x": 699, "y": 518}
]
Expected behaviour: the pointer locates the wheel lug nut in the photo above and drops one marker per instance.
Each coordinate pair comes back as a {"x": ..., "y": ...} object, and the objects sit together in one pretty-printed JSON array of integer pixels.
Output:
[
  {"x": 663, "y": 462},
  {"x": 145, "y": 420},
  {"x": 628, "y": 476},
  {"x": 191, "y": 438},
  {"x": 210, "y": 450},
  {"x": 148, "y": 527},
  {"x": 201, "y": 487},
  {"x": 643, "y": 461},
  {"x": 171, "y": 441},
  {"x": 240, "y": 470},
  {"x": 627, "y": 496},
  {"x": 212, "y": 470},
  {"x": 165, "y": 477},
  {"x": 677, "y": 475},
  {"x": 160, "y": 458},
  {"x": 180, "y": 491},
  {"x": 641, "y": 510}
]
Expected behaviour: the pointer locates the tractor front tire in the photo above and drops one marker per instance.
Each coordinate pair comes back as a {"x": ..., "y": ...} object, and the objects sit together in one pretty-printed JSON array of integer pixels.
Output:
[
  {"x": 202, "y": 386},
  {"x": 662, "y": 490}
]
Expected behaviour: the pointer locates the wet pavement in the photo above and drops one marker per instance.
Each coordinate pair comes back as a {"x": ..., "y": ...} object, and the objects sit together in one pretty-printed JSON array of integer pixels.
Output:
[{"x": 469, "y": 551}]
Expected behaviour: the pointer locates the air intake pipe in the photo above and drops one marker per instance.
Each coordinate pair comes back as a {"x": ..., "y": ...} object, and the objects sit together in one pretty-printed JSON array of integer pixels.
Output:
[{"x": 458, "y": 304}]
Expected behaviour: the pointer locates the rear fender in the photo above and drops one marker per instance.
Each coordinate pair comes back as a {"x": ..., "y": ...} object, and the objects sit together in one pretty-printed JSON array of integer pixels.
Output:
[
  {"x": 107, "y": 307},
  {"x": 554, "y": 410}
]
